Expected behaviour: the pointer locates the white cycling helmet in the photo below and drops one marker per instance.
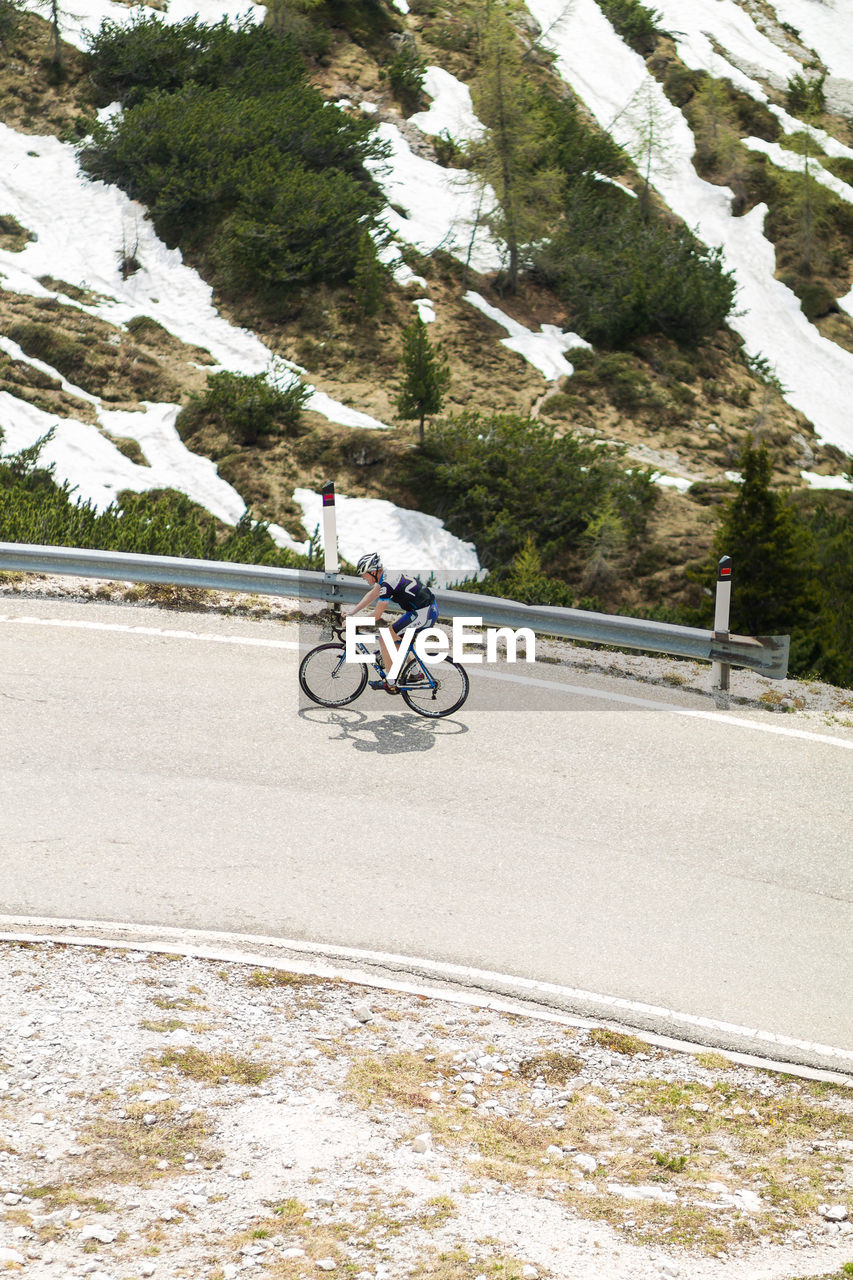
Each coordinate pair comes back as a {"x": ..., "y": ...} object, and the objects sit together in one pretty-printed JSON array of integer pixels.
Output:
[{"x": 370, "y": 563}]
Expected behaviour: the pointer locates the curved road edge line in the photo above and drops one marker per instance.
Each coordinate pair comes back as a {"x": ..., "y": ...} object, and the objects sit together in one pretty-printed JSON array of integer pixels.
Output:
[
  {"x": 670, "y": 708},
  {"x": 440, "y": 980}
]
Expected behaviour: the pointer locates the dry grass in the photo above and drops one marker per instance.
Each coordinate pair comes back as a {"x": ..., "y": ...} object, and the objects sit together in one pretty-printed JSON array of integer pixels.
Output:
[
  {"x": 618, "y": 1041},
  {"x": 714, "y": 1061},
  {"x": 176, "y": 1002},
  {"x": 215, "y": 1068},
  {"x": 461, "y": 1264},
  {"x": 126, "y": 1149},
  {"x": 290, "y": 1224},
  {"x": 167, "y": 595},
  {"x": 776, "y": 1146},
  {"x": 281, "y": 978},
  {"x": 554, "y": 1067},
  {"x": 400, "y": 1078}
]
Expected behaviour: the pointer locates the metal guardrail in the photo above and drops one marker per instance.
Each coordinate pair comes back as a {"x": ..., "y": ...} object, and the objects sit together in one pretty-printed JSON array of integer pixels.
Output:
[{"x": 765, "y": 654}]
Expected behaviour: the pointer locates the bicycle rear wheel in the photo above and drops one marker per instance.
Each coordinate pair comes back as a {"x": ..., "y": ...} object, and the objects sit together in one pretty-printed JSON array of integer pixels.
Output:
[
  {"x": 451, "y": 688},
  {"x": 328, "y": 679}
]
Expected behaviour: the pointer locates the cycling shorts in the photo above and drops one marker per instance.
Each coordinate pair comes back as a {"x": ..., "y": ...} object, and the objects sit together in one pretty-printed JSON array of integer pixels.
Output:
[{"x": 417, "y": 618}]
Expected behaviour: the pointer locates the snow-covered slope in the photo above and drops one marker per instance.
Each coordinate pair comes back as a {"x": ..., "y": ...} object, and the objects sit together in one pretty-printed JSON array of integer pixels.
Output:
[
  {"x": 79, "y": 224},
  {"x": 617, "y": 87}
]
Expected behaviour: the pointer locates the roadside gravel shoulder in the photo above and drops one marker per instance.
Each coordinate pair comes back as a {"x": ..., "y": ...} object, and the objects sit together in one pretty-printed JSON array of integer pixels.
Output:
[{"x": 164, "y": 1116}]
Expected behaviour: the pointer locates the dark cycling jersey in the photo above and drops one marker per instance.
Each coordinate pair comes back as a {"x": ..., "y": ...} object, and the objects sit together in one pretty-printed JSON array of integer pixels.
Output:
[{"x": 409, "y": 593}]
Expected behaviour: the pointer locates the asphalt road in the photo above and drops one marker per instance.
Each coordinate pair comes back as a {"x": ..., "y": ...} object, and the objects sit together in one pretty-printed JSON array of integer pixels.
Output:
[{"x": 553, "y": 830}]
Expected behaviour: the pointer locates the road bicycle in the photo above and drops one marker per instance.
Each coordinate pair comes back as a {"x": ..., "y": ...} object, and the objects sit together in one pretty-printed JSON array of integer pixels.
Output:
[{"x": 327, "y": 678}]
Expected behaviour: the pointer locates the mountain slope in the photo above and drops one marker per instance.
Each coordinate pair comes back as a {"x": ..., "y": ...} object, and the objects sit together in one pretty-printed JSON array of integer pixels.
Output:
[{"x": 685, "y": 411}]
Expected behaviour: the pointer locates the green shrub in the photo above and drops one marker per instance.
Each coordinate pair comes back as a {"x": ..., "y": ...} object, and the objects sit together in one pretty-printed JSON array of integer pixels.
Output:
[
  {"x": 367, "y": 22},
  {"x": 11, "y": 15},
  {"x": 311, "y": 37},
  {"x": 248, "y": 406},
  {"x": 623, "y": 276},
  {"x": 406, "y": 76},
  {"x": 13, "y": 236},
  {"x": 524, "y": 580},
  {"x": 627, "y": 385},
  {"x": 146, "y": 329},
  {"x": 505, "y": 479},
  {"x": 69, "y": 356},
  {"x": 127, "y": 62},
  {"x": 560, "y": 404},
  {"x": 234, "y": 152},
  {"x": 634, "y": 22},
  {"x": 292, "y": 226},
  {"x": 816, "y": 299},
  {"x": 805, "y": 97},
  {"x": 34, "y": 508},
  {"x": 841, "y": 166},
  {"x": 681, "y": 84}
]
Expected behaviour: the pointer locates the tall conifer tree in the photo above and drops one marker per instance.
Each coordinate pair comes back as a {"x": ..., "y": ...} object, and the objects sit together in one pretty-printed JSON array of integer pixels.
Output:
[{"x": 425, "y": 376}]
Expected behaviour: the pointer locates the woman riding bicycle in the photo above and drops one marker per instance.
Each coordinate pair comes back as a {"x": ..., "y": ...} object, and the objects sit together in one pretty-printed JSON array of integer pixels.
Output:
[{"x": 409, "y": 594}]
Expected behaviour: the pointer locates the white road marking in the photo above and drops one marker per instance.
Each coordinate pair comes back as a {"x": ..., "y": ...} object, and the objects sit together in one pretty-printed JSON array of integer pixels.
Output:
[
  {"x": 167, "y": 632},
  {"x": 320, "y": 962},
  {"x": 647, "y": 704},
  {"x": 578, "y": 691}
]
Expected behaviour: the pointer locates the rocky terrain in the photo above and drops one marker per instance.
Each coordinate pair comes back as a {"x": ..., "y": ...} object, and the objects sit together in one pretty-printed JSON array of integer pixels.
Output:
[{"x": 165, "y": 1115}]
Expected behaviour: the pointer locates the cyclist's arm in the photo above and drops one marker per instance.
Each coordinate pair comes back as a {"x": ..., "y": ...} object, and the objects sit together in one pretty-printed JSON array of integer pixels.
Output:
[{"x": 365, "y": 600}]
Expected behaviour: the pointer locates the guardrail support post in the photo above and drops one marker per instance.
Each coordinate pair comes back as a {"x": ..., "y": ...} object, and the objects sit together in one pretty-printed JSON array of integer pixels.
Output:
[{"x": 720, "y": 671}]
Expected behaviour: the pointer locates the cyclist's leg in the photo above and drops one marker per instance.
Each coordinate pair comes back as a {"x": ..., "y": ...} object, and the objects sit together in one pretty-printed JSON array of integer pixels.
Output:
[
  {"x": 397, "y": 627},
  {"x": 422, "y": 620}
]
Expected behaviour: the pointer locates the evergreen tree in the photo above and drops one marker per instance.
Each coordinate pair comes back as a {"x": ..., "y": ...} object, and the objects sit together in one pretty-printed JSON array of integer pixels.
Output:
[
  {"x": 651, "y": 144},
  {"x": 833, "y": 533},
  {"x": 425, "y": 376},
  {"x": 369, "y": 277},
  {"x": 516, "y": 156},
  {"x": 54, "y": 13},
  {"x": 776, "y": 587}
]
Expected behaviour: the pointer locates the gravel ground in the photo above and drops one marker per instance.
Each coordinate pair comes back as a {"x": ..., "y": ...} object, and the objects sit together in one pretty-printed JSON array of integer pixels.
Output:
[{"x": 167, "y": 1116}]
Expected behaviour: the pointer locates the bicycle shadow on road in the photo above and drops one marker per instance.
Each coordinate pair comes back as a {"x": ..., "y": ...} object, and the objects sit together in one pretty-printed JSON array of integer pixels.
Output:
[{"x": 392, "y": 734}]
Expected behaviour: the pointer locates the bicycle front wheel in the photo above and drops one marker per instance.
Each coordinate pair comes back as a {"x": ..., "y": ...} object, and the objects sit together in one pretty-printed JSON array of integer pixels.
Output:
[
  {"x": 451, "y": 688},
  {"x": 328, "y": 679}
]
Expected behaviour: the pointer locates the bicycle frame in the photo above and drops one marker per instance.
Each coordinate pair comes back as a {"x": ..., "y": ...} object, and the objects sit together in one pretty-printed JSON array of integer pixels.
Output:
[{"x": 362, "y": 649}]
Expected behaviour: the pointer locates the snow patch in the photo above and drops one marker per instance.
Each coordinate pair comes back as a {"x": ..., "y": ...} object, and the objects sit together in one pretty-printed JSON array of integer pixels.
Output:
[
  {"x": 408, "y": 540},
  {"x": 441, "y": 208},
  {"x": 452, "y": 112},
  {"x": 544, "y": 350}
]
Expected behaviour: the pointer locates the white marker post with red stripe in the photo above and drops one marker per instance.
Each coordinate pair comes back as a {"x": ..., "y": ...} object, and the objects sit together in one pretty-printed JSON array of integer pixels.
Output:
[
  {"x": 331, "y": 564},
  {"x": 720, "y": 671}
]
